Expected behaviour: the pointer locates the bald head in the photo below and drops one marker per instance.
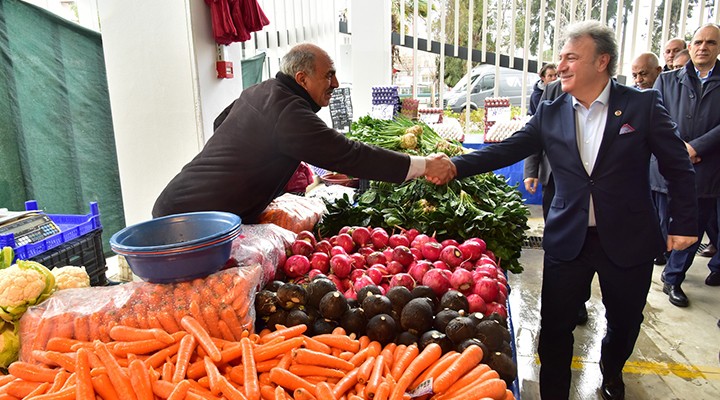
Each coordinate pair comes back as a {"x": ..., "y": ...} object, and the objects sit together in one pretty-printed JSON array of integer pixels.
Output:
[
  {"x": 672, "y": 47},
  {"x": 645, "y": 70}
]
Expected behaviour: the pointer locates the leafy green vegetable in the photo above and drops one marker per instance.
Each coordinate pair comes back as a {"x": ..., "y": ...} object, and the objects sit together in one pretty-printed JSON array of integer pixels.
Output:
[{"x": 9, "y": 344}]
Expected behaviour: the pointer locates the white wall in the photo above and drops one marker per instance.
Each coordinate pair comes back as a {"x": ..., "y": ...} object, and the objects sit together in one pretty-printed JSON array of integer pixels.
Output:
[
  {"x": 164, "y": 92},
  {"x": 371, "y": 59}
]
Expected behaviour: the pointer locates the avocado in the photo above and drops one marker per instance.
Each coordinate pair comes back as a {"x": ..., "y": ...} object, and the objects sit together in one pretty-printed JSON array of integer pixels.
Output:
[
  {"x": 382, "y": 328},
  {"x": 417, "y": 316}
]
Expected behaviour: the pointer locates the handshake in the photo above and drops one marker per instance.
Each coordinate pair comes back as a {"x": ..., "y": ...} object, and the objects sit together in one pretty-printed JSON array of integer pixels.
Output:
[{"x": 439, "y": 169}]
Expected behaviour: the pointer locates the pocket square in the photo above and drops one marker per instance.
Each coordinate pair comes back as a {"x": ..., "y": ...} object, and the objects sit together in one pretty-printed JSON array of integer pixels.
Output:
[{"x": 626, "y": 129}]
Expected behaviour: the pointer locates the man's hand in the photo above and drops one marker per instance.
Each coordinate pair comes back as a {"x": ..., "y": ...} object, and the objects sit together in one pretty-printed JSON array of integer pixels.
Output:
[
  {"x": 531, "y": 185},
  {"x": 694, "y": 157},
  {"x": 439, "y": 169},
  {"x": 680, "y": 242}
]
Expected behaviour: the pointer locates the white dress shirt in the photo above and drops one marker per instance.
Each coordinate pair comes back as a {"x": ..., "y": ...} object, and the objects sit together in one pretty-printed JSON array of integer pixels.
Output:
[{"x": 589, "y": 128}]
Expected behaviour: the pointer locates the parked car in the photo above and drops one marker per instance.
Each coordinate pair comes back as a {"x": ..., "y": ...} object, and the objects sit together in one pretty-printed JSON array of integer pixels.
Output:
[{"x": 481, "y": 82}]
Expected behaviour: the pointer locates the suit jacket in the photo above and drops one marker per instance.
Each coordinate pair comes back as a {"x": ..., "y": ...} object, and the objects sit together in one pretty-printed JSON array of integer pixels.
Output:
[
  {"x": 257, "y": 146},
  {"x": 637, "y": 126},
  {"x": 695, "y": 109},
  {"x": 537, "y": 165}
]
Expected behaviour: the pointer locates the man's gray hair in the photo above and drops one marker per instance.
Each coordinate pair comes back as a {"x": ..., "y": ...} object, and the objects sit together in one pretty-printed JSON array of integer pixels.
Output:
[
  {"x": 603, "y": 36},
  {"x": 299, "y": 58}
]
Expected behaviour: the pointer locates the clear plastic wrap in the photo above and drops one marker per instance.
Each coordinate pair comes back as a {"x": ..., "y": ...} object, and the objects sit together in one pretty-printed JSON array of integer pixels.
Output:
[
  {"x": 264, "y": 245},
  {"x": 223, "y": 302},
  {"x": 295, "y": 213}
]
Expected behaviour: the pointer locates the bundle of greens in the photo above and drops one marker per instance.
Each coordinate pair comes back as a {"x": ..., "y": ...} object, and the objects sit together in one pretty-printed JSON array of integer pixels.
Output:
[
  {"x": 404, "y": 135},
  {"x": 482, "y": 206}
]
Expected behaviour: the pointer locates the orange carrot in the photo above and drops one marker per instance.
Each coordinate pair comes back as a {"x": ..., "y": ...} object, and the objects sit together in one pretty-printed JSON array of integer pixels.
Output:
[
  {"x": 305, "y": 356},
  {"x": 250, "y": 381},
  {"x": 225, "y": 332},
  {"x": 119, "y": 379},
  {"x": 375, "y": 376},
  {"x": 228, "y": 315},
  {"x": 279, "y": 393},
  {"x": 404, "y": 360},
  {"x": 468, "y": 378},
  {"x": 303, "y": 394},
  {"x": 60, "y": 359},
  {"x": 103, "y": 386},
  {"x": 5, "y": 379},
  {"x": 494, "y": 388},
  {"x": 124, "y": 333},
  {"x": 187, "y": 346},
  {"x": 20, "y": 388},
  {"x": 231, "y": 392},
  {"x": 469, "y": 358},
  {"x": 371, "y": 350},
  {"x": 42, "y": 389},
  {"x": 364, "y": 341},
  {"x": 436, "y": 369},
  {"x": 290, "y": 381},
  {"x": 313, "y": 344},
  {"x": 180, "y": 390},
  {"x": 140, "y": 380},
  {"x": 168, "y": 370},
  {"x": 59, "y": 381},
  {"x": 338, "y": 341},
  {"x": 345, "y": 384},
  {"x": 427, "y": 357},
  {"x": 213, "y": 375},
  {"x": 201, "y": 335},
  {"x": 382, "y": 392},
  {"x": 314, "y": 370},
  {"x": 267, "y": 365},
  {"x": 32, "y": 372},
  {"x": 287, "y": 333},
  {"x": 145, "y": 346},
  {"x": 365, "y": 369},
  {"x": 64, "y": 394},
  {"x": 266, "y": 352},
  {"x": 62, "y": 344},
  {"x": 158, "y": 358},
  {"x": 324, "y": 391},
  {"x": 84, "y": 388}
]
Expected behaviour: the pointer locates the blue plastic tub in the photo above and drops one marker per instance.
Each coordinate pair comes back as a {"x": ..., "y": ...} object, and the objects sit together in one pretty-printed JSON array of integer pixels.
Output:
[
  {"x": 174, "y": 232},
  {"x": 178, "y": 247}
]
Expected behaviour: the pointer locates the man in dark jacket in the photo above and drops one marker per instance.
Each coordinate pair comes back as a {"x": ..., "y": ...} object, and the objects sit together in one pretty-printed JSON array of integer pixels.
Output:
[
  {"x": 548, "y": 73},
  {"x": 598, "y": 136},
  {"x": 265, "y": 135},
  {"x": 692, "y": 95}
]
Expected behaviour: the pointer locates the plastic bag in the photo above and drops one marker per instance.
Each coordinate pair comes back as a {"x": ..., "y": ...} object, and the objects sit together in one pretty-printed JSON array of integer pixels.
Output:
[
  {"x": 222, "y": 302},
  {"x": 293, "y": 212},
  {"x": 264, "y": 245},
  {"x": 301, "y": 179}
]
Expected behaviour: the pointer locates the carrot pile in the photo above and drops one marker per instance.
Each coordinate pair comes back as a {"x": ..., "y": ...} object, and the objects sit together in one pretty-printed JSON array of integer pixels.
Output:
[
  {"x": 220, "y": 302},
  {"x": 192, "y": 363}
]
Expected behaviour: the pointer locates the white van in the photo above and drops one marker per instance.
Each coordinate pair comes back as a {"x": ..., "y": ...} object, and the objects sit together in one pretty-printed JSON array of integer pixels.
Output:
[{"x": 482, "y": 84}]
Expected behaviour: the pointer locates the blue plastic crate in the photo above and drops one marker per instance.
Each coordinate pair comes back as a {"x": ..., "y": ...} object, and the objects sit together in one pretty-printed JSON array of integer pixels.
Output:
[{"x": 71, "y": 227}]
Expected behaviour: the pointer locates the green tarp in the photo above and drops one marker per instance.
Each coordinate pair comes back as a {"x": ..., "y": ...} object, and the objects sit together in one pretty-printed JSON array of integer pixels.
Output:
[{"x": 56, "y": 134}]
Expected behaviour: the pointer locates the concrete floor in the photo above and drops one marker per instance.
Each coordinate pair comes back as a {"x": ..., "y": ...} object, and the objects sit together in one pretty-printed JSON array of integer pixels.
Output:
[{"x": 676, "y": 355}]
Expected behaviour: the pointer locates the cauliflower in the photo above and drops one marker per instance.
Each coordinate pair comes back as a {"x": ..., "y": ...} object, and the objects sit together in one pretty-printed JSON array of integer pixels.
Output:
[
  {"x": 23, "y": 285},
  {"x": 70, "y": 277}
]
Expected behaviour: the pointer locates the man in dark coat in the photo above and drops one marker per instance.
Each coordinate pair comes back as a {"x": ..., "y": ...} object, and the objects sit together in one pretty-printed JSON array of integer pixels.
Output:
[
  {"x": 598, "y": 137},
  {"x": 692, "y": 96},
  {"x": 265, "y": 135}
]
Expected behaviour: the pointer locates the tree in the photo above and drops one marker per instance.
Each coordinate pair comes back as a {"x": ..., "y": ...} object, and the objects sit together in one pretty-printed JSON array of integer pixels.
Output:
[{"x": 674, "y": 27}]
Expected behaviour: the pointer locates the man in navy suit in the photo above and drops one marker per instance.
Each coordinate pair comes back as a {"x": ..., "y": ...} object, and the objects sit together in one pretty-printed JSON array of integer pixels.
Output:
[{"x": 598, "y": 137}]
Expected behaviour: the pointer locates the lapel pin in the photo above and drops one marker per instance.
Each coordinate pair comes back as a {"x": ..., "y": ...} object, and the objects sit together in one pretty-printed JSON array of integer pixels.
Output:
[{"x": 618, "y": 113}]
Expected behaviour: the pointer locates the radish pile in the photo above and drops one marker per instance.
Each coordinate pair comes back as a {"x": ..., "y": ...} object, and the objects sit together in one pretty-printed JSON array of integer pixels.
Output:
[{"x": 359, "y": 256}]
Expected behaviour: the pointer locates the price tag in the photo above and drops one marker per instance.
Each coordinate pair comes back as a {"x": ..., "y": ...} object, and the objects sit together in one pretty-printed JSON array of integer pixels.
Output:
[
  {"x": 382, "y": 111},
  {"x": 497, "y": 113},
  {"x": 425, "y": 387}
]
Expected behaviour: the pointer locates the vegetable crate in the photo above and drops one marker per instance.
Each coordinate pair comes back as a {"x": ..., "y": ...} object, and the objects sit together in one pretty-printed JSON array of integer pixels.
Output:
[{"x": 79, "y": 243}]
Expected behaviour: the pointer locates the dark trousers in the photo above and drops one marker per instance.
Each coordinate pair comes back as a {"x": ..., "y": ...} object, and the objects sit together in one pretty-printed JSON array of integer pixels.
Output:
[
  {"x": 680, "y": 261},
  {"x": 564, "y": 288}
]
